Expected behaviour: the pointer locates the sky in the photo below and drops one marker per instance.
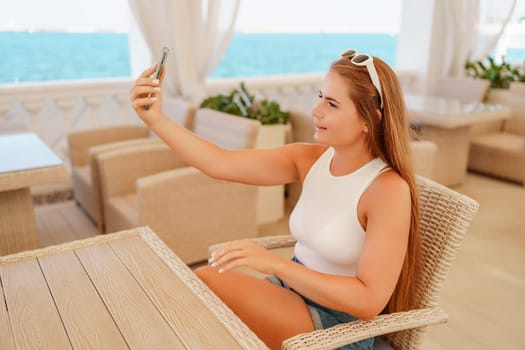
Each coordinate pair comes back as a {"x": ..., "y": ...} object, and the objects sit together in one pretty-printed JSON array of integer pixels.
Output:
[{"x": 254, "y": 15}]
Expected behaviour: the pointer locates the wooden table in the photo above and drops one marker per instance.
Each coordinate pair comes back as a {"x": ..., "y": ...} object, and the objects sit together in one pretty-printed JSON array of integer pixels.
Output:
[
  {"x": 448, "y": 122},
  {"x": 25, "y": 161},
  {"x": 125, "y": 290}
]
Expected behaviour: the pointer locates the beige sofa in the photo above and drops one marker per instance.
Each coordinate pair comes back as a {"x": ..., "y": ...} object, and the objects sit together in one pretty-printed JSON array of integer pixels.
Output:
[
  {"x": 500, "y": 150},
  {"x": 150, "y": 185},
  {"x": 85, "y": 145}
]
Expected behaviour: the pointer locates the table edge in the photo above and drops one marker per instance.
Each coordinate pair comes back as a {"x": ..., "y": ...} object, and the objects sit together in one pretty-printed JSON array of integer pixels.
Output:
[
  {"x": 237, "y": 329},
  {"x": 54, "y": 249}
]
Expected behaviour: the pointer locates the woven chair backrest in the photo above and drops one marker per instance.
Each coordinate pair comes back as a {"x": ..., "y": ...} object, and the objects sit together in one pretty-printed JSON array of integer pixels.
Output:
[{"x": 445, "y": 216}]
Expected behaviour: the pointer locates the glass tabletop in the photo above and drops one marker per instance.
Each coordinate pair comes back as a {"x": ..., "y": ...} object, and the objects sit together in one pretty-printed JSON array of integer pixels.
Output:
[{"x": 25, "y": 151}]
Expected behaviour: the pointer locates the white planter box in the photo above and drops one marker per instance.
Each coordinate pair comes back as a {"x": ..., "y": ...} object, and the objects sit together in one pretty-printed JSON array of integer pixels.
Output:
[
  {"x": 498, "y": 96},
  {"x": 270, "y": 199}
]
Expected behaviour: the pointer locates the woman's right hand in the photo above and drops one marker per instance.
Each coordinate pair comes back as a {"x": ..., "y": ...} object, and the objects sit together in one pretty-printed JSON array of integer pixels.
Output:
[{"x": 144, "y": 86}]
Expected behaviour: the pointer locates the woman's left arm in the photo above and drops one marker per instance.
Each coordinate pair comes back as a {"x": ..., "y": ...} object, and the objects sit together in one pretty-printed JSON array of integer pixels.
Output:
[{"x": 387, "y": 207}]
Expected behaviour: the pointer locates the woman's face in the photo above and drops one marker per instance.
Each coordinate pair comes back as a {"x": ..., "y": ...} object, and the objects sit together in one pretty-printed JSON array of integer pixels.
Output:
[{"x": 337, "y": 122}]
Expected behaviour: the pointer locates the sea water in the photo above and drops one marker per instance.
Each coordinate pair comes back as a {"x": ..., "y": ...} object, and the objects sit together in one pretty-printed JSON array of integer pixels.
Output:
[{"x": 42, "y": 56}]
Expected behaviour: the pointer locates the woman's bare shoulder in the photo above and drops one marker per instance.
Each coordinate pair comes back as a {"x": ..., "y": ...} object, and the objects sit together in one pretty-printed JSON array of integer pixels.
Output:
[
  {"x": 389, "y": 183},
  {"x": 305, "y": 155}
]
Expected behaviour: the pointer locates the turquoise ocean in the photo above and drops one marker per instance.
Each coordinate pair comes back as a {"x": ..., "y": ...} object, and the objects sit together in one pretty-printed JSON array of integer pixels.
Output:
[{"x": 43, "y": 56}]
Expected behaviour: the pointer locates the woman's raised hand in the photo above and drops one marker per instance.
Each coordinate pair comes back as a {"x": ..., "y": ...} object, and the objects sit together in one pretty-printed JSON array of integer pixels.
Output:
[{"x": 140, "y": 95}]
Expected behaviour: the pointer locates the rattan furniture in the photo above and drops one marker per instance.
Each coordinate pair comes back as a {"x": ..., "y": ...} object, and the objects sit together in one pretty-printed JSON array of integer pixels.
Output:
[
  {"x": 25, "y": 161},
  {"x": 126, "y": 290},
  {"x": 85, "y": 145},
  {"x": 150, "y": 185},
  {"x": 500, "y": 149},
  {"x": 448, "y": 123},
  {"x": 444, "y": 220}
]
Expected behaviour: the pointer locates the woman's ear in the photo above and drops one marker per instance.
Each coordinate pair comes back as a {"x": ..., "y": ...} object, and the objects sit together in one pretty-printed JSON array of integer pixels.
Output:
[{"x": 379, "y": 114}]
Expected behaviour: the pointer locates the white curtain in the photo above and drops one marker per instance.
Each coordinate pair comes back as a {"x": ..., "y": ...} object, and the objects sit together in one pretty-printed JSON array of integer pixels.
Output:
[
  {"x": 197, "y": 32},
  {"x": 472, "y": 30},
  {"x": 494, "y": 16}
]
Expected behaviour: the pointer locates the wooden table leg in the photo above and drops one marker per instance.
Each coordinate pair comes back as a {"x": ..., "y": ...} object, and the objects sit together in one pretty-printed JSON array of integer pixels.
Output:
[{"x": 18, "y": 231}]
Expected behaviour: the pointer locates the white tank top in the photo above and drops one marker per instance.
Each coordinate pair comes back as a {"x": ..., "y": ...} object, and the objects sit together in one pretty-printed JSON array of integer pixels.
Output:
[{"x": 325, "y": 223}]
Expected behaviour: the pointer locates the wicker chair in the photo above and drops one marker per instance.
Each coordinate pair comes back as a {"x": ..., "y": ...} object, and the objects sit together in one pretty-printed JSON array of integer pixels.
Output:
[
  {"x": 150, "y": 185},
  {"x": 85, "y": 145},
  {"x": 499, "y": 150},
  {"x": 445, "y": 217}
]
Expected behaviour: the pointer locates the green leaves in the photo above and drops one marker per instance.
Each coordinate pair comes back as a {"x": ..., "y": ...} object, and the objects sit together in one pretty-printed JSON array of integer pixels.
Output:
[
  {"x": 240, "y": 102},
  {"x": 500, "y": 75}
]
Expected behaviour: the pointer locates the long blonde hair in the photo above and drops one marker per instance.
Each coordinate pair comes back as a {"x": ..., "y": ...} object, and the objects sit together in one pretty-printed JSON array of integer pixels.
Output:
[{"x": 389, "y": 139}]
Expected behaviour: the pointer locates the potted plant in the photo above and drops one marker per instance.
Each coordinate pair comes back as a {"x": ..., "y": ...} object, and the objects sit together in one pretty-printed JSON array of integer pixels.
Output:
[
  {"x": 500, "y": 76},
  {"x": 273, "y": 132}
]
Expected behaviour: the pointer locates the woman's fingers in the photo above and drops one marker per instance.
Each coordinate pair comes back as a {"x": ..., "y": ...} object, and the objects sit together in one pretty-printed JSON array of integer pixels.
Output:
[
  {"x": 141, "y": 102},
  {"x": 230, "y": 246},
  {"x": 150, "y": 81},
  {"x": 148, "y": 72},
  {"x": 228, "y": 260},
  {"x": 218, "y": 260},
  {"x": 141, "y": 91},
  {"x": 231, "y": 265}
]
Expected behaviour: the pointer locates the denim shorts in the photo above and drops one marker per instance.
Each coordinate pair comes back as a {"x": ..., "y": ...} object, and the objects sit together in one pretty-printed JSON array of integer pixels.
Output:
[{"x": 323, "y": 317}]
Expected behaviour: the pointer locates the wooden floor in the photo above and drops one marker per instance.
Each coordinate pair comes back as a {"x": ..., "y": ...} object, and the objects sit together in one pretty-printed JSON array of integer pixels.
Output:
[{"x": 484, "y": 295}]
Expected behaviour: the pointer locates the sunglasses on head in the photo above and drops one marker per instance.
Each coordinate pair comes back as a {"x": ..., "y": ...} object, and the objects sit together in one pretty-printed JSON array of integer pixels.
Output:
[{"x": 361, "y": 59}]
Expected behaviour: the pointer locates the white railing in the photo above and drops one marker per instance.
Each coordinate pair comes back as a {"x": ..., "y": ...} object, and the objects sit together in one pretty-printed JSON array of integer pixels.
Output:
[{"x": 53, "y": 109}]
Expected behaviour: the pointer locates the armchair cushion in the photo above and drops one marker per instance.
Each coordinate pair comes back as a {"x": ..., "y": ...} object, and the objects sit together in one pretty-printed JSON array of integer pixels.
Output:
[
  {"x": 187, "y": 209},
  {"x": 499, "y": 154},
  {"x": 80, "y": 141},
  {"x": 85, "y": 146},
  {"x": 119, "y": 169},
  {"x": 516, "y": 124},
  {"x": 123, "y": 212},
  {"x": 190, "y": 210},
  {"x": 86, "y": 181}
]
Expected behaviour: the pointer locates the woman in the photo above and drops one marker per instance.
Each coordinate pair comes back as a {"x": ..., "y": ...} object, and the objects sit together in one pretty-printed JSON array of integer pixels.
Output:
[{"x": 356, "y": 220}]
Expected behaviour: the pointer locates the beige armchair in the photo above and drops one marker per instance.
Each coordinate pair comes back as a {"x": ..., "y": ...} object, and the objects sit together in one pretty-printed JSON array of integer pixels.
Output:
[
  {"x": 303, "y": 130},
  {"x": 150, "y": 185},
  {"x": 81, "y": 175},
  {"x": 444, "y": 219},
  {"x": 85, "y": 145},
  {"x": 500, "y": 150},
  {"x": 463, "y": 89}
]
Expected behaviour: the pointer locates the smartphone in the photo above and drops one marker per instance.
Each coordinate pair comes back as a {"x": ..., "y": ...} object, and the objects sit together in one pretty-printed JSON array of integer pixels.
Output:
[{"x": 156, "y": 75}]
